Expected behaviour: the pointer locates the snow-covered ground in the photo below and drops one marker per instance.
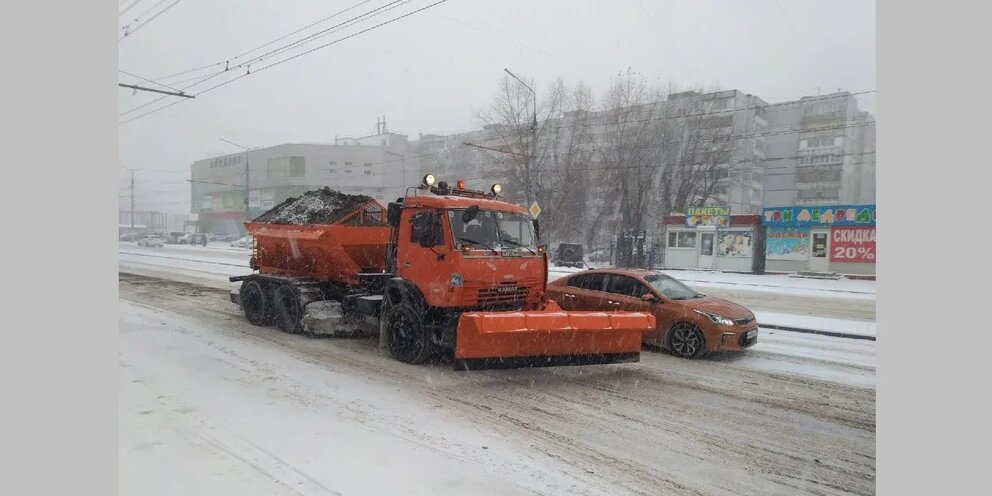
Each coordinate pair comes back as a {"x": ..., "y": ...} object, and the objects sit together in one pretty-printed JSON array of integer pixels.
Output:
[
  {"x": 212, "y": 405},
  {"x": 814, "y": 304}
]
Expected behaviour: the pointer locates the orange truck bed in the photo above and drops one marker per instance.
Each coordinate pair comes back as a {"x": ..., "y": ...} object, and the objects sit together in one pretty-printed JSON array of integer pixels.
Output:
[{"x": 338, "y": 252}]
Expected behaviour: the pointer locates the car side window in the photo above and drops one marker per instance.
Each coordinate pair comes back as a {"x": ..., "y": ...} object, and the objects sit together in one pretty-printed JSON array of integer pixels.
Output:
[
  {"x": 592, "y": 282},
  {"x": 626, "y": 286}
]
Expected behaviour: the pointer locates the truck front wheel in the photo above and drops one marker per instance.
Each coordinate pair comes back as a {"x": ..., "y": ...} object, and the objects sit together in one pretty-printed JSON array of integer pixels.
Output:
[{"x": 407, "y": 341}]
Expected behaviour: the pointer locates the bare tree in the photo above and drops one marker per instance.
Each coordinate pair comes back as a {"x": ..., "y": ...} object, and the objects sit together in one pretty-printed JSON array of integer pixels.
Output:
[
  {"x": 508, "y": 121},
  {"x": 629, "y": 162},
  {"x": 699, "y": 144},
  {"x": 566, "y": 161}
]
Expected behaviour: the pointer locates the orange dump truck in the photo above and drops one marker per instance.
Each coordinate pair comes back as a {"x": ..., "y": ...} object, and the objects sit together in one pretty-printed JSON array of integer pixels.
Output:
[{"x": 445, "y": 271}]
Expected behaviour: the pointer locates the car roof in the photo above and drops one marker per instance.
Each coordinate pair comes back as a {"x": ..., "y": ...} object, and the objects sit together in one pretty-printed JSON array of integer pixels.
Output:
[{"x": 633, "y": 272}]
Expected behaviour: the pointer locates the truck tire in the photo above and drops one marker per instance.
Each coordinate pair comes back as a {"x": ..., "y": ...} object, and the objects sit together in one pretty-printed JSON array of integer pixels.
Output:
[
  {"x": 407, "y": 341},
  {"x": 255, "y": 303},
  {"x": 288, "y": 309}
]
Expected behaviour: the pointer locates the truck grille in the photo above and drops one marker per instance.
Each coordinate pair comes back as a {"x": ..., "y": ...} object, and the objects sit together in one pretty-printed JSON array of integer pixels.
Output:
[{"x": 504, "y": 293}]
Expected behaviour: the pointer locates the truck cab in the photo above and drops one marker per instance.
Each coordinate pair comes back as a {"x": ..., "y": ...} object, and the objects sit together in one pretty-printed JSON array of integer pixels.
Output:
[{"x": 468, "y": 252}]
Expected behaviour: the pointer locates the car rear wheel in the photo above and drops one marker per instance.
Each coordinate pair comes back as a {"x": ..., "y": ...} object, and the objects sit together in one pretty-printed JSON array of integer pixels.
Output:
[{"x": 686, "y": 341}]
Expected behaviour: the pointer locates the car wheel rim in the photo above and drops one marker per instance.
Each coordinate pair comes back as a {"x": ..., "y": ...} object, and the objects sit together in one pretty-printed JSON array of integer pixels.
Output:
[{"x": 685, "y": 341}]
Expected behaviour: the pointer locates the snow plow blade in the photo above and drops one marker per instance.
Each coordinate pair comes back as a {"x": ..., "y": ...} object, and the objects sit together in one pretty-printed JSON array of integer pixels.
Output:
[{"x": 489, "y": 340}]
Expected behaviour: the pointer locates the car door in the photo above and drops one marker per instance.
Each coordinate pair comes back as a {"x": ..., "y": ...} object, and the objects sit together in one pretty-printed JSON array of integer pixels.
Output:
[
  {"x": 625, "y": 294},
  {"x": 584, "y": 292}
]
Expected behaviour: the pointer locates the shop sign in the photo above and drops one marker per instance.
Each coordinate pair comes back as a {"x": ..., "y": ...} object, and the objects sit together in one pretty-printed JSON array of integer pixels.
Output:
[
  {"x": 785, "y": 243},
  {"x": 852, "y": 244},
  {"x": 819, "y": 216},
  {"x": 734, "y": 243},
  {"x": 708, "y": 216}
]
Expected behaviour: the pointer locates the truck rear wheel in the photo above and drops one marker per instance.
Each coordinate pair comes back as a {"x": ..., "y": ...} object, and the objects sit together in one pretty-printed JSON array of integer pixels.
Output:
[
  {"x": 288, "y": 309},
  {"x": 407, "y": 342},
  {"x": 255, "y": 304}
]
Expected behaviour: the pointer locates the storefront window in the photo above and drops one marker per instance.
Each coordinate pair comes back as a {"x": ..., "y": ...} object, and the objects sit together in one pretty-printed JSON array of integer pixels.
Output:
[{"x": 687, "y": 240}]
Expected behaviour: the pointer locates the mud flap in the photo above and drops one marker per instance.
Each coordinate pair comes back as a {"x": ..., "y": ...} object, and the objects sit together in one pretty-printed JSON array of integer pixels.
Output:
[{"x": 548, "y": 338}]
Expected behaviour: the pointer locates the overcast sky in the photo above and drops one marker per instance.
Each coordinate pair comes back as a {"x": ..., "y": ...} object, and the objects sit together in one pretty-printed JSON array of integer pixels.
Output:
[{"x": 429, "y": 72}]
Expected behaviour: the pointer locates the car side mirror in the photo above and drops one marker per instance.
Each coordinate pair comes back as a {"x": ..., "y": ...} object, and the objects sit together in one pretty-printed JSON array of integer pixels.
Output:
[{"x": 650, "y": 298}]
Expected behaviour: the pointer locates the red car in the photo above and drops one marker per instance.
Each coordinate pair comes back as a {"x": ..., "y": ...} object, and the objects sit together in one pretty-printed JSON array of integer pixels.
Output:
[{"x": 690, "y": 324}]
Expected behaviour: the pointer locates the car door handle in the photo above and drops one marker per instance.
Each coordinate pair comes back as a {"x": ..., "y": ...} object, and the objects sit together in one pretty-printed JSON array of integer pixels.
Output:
[
  {"x": 569, "y": 295},
  {"x": 406, "y": 264},
  {"x": 611, "y": 302}
]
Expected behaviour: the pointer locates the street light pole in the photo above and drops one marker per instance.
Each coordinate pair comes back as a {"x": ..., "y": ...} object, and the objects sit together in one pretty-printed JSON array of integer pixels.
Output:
[
  {"x": 533, "y": 139},
  {"x": 247, "y": 172}
]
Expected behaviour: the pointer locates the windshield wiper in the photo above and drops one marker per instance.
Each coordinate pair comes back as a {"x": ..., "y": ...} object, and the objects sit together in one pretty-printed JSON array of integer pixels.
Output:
[
  {"x": 518, "y": 244},
  {"x": 480, "y": 243}
]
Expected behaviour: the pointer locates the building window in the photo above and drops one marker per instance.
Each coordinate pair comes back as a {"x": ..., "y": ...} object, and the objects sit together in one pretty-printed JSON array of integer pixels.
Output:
[
  {"x": 332, "y": 171},
  {"x": 367, "y": 164},
  {"x": 818, "y": 141},
  {"x": 818, "y": 194},
  {"x": 347, "y": 163},
  {"x": 368, "y": 173},
  {"x": 332, "y": 162},
  {"x": 347, "y": 171},
  {"x": 286, "y": 167},
  {"x": 823, "y": 108},
  {"x": 682, "y": 239}
]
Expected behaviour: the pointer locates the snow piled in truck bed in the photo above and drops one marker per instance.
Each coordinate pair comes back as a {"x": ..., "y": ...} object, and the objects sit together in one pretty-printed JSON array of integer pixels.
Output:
[{"x": 320, "y": 206}]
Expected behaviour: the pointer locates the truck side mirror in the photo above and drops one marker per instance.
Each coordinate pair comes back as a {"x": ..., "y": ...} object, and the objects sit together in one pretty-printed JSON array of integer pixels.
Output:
[
  {"x": 537, "y": 229},
  {"x": 650, "y": 298},
  {"x": 393, "y": 214}
]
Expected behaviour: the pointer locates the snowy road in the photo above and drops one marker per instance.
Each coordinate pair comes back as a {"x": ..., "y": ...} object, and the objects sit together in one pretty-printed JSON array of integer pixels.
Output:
[
  {"x": 212, "y": 404},
  {"x": 776, "y": 295}
]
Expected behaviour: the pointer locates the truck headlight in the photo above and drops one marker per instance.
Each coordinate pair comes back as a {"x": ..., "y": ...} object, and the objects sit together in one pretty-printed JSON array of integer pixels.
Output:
[
  {"x": 716, "y": 318},
  {"x": 456, "y": 280}
]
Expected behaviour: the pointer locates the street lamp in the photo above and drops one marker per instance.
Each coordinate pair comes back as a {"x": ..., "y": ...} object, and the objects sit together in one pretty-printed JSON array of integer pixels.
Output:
[
  {"x": 533, "y": 139},
  {"x": 247, "y": 216}
]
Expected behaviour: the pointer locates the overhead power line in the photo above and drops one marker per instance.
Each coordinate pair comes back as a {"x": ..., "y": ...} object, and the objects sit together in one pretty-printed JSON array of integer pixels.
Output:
[
  {"x": 128, "y": 31},
  {"x": 390, "y": 21},
  {"x": 337, "y": 27},
  {"x": 226, "y": 62}
]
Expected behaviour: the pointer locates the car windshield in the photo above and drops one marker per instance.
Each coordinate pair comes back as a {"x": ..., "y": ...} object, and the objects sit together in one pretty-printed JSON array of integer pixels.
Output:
[
  {"x": 670, "y": 288},
  {"x": 493, "y": 229}
]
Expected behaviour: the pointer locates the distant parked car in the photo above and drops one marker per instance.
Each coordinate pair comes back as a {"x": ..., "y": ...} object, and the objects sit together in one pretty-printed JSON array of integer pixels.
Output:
[
  {"x": 219, "y": 237},
  {"x": 193, "y": 239},
  {"x": 152, "y": 241},
  {"x": 569, "y": 255},
  {"x": 244, "y": 242},
  {"x": 690, "y": 324},
  {"x": 132, "y": 236}
]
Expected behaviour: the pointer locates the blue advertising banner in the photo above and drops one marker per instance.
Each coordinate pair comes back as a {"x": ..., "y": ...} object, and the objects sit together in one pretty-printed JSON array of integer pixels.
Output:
[
  {"x": 819, "y": 216},
  {"x": 785, "y": 243}
]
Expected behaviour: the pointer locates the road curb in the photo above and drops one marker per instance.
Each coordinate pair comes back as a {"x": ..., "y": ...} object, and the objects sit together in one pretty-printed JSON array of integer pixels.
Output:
[{"x": 816, "y": 331}]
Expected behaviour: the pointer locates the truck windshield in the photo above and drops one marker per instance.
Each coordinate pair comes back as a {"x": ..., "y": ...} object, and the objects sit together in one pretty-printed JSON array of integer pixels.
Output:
[{"x": 489, "y": 228}]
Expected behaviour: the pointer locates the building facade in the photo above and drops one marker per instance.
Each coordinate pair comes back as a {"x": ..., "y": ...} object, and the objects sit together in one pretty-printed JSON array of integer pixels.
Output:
[{"x": 372, "y": 165}]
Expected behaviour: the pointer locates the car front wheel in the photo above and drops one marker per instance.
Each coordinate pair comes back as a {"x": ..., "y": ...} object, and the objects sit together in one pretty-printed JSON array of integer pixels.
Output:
[{"x": 686, "y": 341}]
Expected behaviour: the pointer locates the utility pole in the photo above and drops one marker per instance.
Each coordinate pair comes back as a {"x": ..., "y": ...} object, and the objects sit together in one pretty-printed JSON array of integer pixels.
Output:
[
  {"x": 533, "y": 142},
  {"x": 132, "y": 194},
  {"x": 247, "y": 172}
]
